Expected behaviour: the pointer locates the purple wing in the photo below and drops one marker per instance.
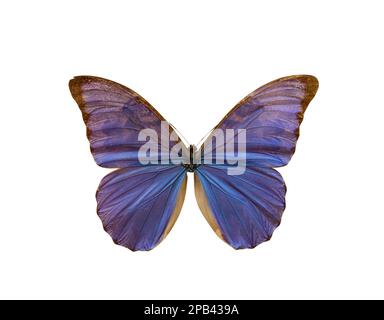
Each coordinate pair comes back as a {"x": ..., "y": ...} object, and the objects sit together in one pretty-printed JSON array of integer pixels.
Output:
[
  {"x": 244, "y": 210},
  {"x": 114, "y": 116},
  {"x": 271, "y": 116},
  {"x": 138, "y": 206}
]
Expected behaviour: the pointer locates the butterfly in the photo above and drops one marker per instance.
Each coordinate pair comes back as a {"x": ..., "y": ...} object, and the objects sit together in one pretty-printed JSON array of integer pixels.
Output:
[{"x": 138, "y": 204}]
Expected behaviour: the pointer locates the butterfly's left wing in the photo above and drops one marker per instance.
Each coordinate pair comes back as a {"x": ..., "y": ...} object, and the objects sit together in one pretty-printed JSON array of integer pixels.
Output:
[
  {"x": 137, "y": 204},
  {"x": 245, "y": 209},
  {"x": 114, "y": 116}
]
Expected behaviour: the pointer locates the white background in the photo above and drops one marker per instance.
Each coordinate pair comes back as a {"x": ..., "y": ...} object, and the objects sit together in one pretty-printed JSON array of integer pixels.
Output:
[{"x": 193, "y": 61}]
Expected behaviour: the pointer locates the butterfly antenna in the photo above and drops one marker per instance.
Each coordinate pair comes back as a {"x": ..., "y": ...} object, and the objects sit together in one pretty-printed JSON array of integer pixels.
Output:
[
  {"x": 185, "y": 141},
  {"x": 203, "y": 139}
]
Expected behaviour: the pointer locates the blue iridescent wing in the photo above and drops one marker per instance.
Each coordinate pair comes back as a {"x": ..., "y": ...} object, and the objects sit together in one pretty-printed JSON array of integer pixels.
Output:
[
  {"x": 114, "y": 116},
  {"x": 271, "y": 115},
  {"x": 137, "y": 204},
  {"x": 244, "y": 210}
]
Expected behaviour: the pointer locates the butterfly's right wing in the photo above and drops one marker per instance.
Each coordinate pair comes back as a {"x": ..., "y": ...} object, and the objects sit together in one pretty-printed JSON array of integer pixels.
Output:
[
  {"x": 271, "y": 116},
  {"x": 245, "y": 209}
]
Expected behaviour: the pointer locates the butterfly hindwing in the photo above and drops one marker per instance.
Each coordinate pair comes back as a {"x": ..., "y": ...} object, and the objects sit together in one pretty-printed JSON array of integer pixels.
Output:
[
  {"x": 138, "y": 206},
  {"x": 243, "y": 210}
]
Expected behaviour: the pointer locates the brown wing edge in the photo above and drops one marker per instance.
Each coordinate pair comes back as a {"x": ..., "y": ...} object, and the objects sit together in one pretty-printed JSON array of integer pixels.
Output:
[
  {"x": 203, "y": 204},
  {"x": 75, "y": 86},
  {"x": 176, "y": 211},
  {"x": 311, "y": 83}
]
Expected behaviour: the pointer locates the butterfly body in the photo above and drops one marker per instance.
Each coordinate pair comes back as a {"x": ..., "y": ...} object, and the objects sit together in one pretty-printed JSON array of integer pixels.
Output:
[
  {"x": 191, "y": 165},
  {"x": 237, "y": 189}
]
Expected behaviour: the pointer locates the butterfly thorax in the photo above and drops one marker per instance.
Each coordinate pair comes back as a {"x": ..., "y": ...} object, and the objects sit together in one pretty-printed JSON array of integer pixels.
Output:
[{"x": 191, "y": 166}]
